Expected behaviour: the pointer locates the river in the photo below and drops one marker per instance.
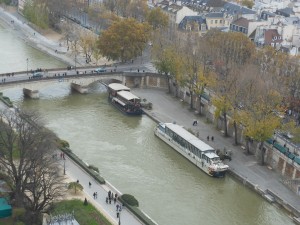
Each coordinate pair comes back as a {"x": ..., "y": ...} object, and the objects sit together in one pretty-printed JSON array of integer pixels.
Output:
[{"x": 169, "y": 189}]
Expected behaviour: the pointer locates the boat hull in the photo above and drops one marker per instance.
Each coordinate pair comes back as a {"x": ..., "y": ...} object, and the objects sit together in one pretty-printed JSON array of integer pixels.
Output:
[
  {"x": 189, "y": 156},
  {"x": 121, "y": 108}
]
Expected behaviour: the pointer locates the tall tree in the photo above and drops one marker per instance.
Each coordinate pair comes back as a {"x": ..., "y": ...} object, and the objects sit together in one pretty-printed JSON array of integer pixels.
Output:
[
  {"x": 27, "y": 151},
  {"x": 124, "y": 39},
  {"x": 157, "y": 18}
]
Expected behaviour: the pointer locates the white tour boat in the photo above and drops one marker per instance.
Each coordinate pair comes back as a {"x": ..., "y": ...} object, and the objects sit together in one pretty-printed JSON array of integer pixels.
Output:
[{"x": 192, "y": 148}]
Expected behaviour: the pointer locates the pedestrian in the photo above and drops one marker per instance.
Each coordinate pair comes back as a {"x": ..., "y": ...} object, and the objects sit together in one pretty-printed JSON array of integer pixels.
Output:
[
  {"x": 94, "y": 195},
  {"x": 106, "y": 200},
  {"x": 212, "y": 138},
  {"x": 90, "y": 184},
  {"x": 120, "y": 208},
  {"x": 77, "y": 181},
  {"x": 118, "y": 214},
  {"x": 116, "y": 196},
  {"x": 117, "y": 206},
  {"x": 207, "y": 138},
  {"x": 115, "y": 200},
  {"x": 109, "y": 193},
  {"x": 109, "y": 200}
]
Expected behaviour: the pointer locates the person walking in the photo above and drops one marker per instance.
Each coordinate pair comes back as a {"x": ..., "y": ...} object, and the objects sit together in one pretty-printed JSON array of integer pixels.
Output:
[
  {"x": 207, "y": 138},
  {"x": 212, "y": 138},
  {"x": 109, "y": 193},
  {"x": 115, "y": 200},
  {"x": 106, "y": 200},
  {"x": 90, "y": 184},
  {"x": 94, "y": 195}
]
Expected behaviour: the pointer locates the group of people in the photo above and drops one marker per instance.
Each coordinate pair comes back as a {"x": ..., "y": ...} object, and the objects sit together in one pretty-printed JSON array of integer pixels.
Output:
[{"x": 111, "y": 197}]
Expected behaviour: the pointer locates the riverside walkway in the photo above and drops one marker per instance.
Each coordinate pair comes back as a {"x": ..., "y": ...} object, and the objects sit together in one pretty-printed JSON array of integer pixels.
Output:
[
  {"x": 74, "y": 172},
  {"x": 167, "y": 108}
]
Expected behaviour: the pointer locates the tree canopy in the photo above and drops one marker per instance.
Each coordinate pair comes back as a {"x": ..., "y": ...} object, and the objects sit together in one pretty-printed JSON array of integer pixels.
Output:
[{"x": 124, "y": 39}]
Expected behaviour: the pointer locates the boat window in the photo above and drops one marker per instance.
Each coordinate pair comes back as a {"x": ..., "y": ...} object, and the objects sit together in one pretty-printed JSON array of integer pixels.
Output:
[{"x": 162, "y": 129}]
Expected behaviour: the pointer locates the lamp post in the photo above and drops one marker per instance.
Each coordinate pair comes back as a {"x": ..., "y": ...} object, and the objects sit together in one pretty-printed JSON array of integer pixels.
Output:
[
  {"x": 64, "y": 166},
  {"x": 27, "y": 66},
  {"x": 119, "y": 219}
]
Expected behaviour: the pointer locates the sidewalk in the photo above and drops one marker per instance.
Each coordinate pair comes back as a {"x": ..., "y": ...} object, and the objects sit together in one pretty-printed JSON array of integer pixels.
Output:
[
  {"x": 74, "y": 172},
  {"x": 170, "y": 109}
]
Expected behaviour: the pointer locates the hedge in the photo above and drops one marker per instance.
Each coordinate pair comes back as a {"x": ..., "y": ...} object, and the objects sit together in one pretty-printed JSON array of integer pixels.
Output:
[
  {"x": 130, "y": 200},
  {"x": 6, "y": 101},
  {"x": 137, "y": 212},
  {"x": 83, "y": 165}
]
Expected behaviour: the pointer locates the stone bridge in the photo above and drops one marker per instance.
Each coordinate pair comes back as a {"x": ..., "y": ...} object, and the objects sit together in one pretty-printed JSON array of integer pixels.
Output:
[{"x": 81, "y": 82}]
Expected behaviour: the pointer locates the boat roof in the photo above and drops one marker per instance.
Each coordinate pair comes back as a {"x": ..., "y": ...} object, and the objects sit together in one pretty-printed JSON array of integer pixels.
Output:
[
  {"x": 127, "y": 95},
  {"x": 211, "y": 155},
  {"x": 189, "y": 137},
  {"x": 118, "y": 87}
]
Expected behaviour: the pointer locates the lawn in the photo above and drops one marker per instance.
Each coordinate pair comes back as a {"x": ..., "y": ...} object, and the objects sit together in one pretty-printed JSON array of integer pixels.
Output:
[{"x": 84, "y": 214}]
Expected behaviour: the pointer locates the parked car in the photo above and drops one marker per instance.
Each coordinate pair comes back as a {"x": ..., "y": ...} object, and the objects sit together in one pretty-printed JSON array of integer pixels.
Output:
[
  {"x": 100, "y": 70},
  {"x": 37, "y": 75}
]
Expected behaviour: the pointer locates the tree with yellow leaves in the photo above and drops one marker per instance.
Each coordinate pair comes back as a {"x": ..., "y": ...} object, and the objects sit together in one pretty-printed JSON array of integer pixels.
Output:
[
  {"x": 87, "y": 42},
  {"x": 157, "y": 18},
  {"x": 259, "y": 117},
  {"x": 124, "y": 39}
]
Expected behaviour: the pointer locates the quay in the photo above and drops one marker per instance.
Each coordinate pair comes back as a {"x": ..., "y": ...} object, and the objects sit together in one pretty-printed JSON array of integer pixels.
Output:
[{"x": 244, "y": 168}]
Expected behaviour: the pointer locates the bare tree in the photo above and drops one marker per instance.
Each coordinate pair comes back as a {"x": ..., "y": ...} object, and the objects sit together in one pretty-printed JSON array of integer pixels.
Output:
[{"x": 27, "y": 154}]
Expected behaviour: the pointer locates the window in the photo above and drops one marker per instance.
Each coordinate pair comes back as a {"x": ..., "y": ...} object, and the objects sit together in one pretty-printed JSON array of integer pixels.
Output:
[
  {"x": 221, "y": 21},
  {"x": 216, "y": 21}
]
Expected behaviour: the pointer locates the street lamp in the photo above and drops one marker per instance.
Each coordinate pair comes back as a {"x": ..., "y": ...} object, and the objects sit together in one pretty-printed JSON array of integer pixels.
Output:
[
  {"x": 27, "y": 66},
  {"x": 64, "y": 166},
  {"x": 120, "y": 218}
]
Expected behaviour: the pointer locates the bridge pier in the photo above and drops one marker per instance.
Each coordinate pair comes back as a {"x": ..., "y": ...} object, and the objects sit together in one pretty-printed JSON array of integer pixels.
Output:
[
  {"x": 31, "y": 93},
  {"x": 79, "y": 88}
]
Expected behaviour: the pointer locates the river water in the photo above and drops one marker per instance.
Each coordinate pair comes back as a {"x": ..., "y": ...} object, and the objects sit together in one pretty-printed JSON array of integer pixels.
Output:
[{"x": 169, "y": 189}]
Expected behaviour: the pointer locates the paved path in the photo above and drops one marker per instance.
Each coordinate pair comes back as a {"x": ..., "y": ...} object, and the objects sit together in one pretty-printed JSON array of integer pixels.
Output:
[
  {"x": 169, "y": 109},
  {"x": 74, "y": 172}
]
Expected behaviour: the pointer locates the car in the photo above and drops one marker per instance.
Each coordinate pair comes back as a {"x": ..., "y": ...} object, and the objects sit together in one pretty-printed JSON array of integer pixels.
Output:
[
  {"x": 100, "y": 70},
  {"x": 37, "y": 75},
  {"x": 288, "y": 135}
]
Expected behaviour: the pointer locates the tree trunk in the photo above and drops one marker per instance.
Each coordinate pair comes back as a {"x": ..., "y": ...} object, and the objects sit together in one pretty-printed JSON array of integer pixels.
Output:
[
  {"x": 247, "y": 145},
  {"x": 192, "y": 99},
  {"x": 201, "y": 107},
  {"x": 169, "y": 85},
  {"x": 263, "y": 151},
  {"x": 225, "y": 124},
  {"x": 235, "y": 133}
]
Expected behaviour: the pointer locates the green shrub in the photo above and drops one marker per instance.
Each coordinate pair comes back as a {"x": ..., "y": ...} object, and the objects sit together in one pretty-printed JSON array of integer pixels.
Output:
[
  {"x": 63, "y": 143},
  {"x": 19, "y": 223},
  {"x": 92, "y": 167},
  {"x": 18, "y": 213},
  {"x": 130, "y": 200}
]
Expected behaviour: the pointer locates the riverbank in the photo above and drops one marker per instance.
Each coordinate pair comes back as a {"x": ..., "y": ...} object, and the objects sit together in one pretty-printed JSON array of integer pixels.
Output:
[
  {"x": 243, "y": 167},
  {"x": 47, "y": 41}
]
